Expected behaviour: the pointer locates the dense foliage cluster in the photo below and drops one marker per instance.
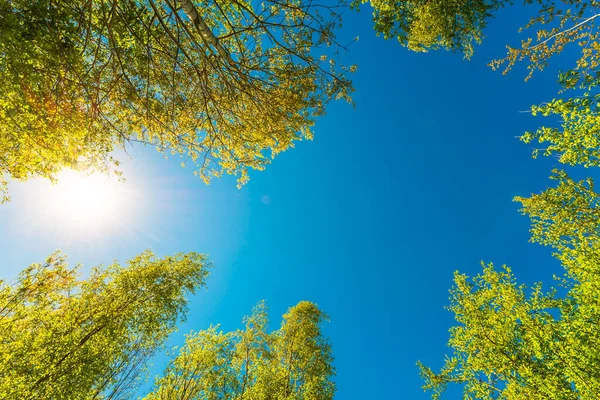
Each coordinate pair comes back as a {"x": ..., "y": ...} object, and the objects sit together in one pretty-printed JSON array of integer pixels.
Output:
[
  {"x": 226, "y": 85},
  {"x": 66, "y": 338},
  {"x": 433, "y": 24},
  {"x": 292, "y": 363}
]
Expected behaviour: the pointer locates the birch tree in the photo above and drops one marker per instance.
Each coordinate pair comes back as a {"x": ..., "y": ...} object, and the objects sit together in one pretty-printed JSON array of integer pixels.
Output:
[
  {"x": 226, "y": 85},
  {"x": 515, "y": 342},
  {"x": 62, "y": 337},
  {"x": 292, "y": 363}
]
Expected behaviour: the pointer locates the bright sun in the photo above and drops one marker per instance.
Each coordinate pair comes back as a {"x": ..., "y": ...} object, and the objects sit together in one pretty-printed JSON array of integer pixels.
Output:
[{"x": 84, "y": 200}]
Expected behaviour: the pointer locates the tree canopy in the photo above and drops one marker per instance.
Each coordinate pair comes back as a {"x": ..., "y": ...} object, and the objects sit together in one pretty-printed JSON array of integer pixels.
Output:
[
  {"x": 292, "y": 363},
  {"x": 225, "y": 85},
  {"x": 554, "y": 26},
  {"x": 423, "y": 25},
  {"x": 458, "y": 25},
  {"x": 66, "y": 338},
  {"x": 63, "y": 337},
  {"x": 515, "y": 342}
]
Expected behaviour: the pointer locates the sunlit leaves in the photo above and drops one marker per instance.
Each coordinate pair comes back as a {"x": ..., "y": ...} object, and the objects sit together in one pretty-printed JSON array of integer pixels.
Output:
[
  {"x": 559, "y": 26},
  {"x": 455, "y": 25},
  {"x": 227, "y": 90},
  {"x": 292, "y": 363},
  {"x": 512, "y": 342},
  {"x": 576, "y": 140},
  {"x": 556, "y": 26},
  {"x": 564, "y": 216},
  {"x": 66, "y": 338}
]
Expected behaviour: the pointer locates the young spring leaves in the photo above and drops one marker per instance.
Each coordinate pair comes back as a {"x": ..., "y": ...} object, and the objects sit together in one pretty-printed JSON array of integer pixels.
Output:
[
  {"x": 66, "y": 338},
  {"x": 421, "y": 25},
  {"x": 576, "y": 140},
  {"x": 558, "y": 25},
  {"x": 457, "y": 25},
  {"x": 226, "y": 85},
  {"x": 515, "y": 343},
  {"x": 512, "y": 342},
  {"x": 566, "y": 216},
  {"x": 292, "y": 363}
]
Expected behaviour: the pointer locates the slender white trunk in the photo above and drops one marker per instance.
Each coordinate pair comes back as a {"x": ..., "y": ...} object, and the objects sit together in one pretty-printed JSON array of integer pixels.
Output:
[{"x": 205, "y": 31}]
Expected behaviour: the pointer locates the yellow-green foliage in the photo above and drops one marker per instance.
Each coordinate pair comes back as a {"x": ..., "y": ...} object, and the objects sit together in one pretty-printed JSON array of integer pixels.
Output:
[
  {"x": 424, "y": 25},
  {"x": 458, "y": 25},
  {"x": 512, "y": 342},
  {"x": 564, "y": 216},
  {"x": 66, "y": 338},
  {"x": 557, "y": 26},
  {"x": 227, "y": 90},
  {"x": 292, "y": 363},
  {"x": 517, "y": 343},
  {"x": 576, "y": 141}
]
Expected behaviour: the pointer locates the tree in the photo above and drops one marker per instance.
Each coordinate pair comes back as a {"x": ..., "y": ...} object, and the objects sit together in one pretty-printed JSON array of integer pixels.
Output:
[
  {"x": 457, "y": 25},
  {"x": 227, "y": 85},
  {"x": 576, "y": 140},
  {"x": 562, "y": 25},
  {"x": 66, "y": 338},
  {"x": 512, "y": 342},
  {"x": 565, "y": 217},
  {"x": 515, "y": 343},
  {"x": 423, "y": 25},
  {"x": 293, "y": 362}
]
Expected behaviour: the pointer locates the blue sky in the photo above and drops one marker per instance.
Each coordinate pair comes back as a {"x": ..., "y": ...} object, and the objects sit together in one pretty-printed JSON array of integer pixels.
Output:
[{"x": 369, "y": 220}]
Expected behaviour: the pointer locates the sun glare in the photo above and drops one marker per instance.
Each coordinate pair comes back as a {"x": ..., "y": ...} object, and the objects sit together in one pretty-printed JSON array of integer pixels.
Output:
[{"x": 85, "y": 200}]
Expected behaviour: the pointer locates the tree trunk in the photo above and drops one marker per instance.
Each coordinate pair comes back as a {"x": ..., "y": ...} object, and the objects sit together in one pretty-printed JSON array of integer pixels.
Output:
[{"x": 204, "y": 30}]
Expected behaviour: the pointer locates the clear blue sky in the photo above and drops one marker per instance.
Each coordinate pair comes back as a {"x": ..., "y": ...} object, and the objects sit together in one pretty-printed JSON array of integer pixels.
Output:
[{"x": 369, "y": 220}]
